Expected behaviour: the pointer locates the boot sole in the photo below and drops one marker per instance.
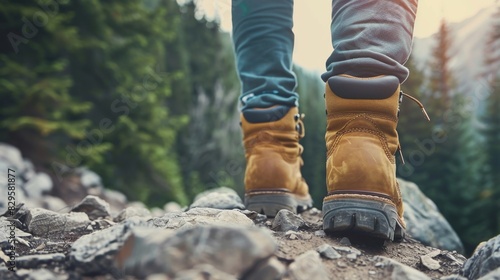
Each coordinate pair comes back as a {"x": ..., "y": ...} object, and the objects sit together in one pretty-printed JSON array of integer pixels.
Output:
[
  {"x": 375, "y": 219},
  {"x": 270, "y": 203}
]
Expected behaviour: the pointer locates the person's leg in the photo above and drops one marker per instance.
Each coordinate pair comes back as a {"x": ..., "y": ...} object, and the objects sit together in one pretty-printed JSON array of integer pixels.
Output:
[
  {"x": 263, "y": 43},
  {"x": 372, "y": 40},
  {"x": 271, "y": 124}
]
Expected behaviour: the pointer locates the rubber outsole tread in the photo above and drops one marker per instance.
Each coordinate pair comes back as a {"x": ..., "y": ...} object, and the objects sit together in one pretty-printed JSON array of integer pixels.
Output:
[
  {"x": 372, "y": 218},
  {"x": 270, "y": 204}
]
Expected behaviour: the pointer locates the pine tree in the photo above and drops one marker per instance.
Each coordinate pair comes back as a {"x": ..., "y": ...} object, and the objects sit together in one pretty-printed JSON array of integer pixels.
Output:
[
  {"x": 209, "y": 147},
  {"x": 91, "y": 87},
  {"x": 311, "y": 103},
  {"x": 35, "y": 84},
  {"x": 455, "y": 170},
  {"x": 491, "y": 119},
  {"x": 415, "y": 132}
]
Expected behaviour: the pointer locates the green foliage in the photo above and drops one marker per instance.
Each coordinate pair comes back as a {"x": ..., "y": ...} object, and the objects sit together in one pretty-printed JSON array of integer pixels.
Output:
[
  {"x": 311, "y": 89},
  {"x": 93, "y": 86}
]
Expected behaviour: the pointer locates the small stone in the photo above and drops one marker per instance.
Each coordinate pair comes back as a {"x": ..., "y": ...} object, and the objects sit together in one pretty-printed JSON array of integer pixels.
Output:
[
  {"x": 348, "y": 250},
  {"x": 429, "y": 263},
  {"x": 371, "y": 272},
  {"x": 401, "y": 271},
  {"x": 220, "y": 198},
  {"x": 38, "y": 185},
  {"x": 314, "y": 211},
  {"x": 172, "y": 206},
  {"x": 55, "y": 204},
  {"x": 46, "y": 223},
  {"x": 285, "y": 220},
  {"x": 40, "y": 274},
  {"x": 30, "y": 261},
  {"x": 345, "y": 241},
  {"x": 341, "y": 264},
  {"x": 132, "y": 211},
  {"x": 292, "y": 235},
  {"x": 434, "y": 253},
  {"x": 270, "y": 269},
  {"x": 352, "y": 256},
  {"x": 308, "y": 266},
  {"x": 157, "y": 276},
  {"x": 94, "y": 207},
  {"x": 157, "y": 212},
  {"x": 88, "y": 178},
  {"x": 320, "y": 233},
  {"x": 305, "y": 236},
  {"x": 327, "y": 251},
  {"x": 453, "y": 277},
  {"x": 117, "y": 200}
]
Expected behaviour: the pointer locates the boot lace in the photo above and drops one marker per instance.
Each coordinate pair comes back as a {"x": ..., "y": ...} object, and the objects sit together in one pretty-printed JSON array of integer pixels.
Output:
[{"x": 401, "y": 95}]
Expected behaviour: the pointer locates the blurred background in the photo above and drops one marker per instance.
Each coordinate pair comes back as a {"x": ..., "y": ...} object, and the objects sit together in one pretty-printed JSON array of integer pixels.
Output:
[{"x": 144, "y": 92}]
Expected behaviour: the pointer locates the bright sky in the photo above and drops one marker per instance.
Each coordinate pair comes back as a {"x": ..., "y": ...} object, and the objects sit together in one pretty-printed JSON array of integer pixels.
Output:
[{"x": 312, "y": 23}]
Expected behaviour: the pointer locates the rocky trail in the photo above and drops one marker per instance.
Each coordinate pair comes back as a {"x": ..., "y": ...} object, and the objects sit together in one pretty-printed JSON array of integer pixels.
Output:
[{"x": 98, "y": 234}]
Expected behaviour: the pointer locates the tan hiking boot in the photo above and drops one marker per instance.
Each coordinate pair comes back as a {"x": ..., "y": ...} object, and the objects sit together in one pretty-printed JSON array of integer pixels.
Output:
[
  {"x": 273, "y": 180},
  {"x": 361, "y": 140}
]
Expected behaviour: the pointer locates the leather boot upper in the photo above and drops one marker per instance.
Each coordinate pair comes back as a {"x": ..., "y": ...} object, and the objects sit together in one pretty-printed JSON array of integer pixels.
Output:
[
  {"x": 361, "y": 138},
  {"x": 273, "y": 152}
]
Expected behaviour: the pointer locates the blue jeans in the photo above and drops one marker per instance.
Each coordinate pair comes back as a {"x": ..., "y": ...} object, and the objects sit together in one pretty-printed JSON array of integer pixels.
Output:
[{"x": 369, "y": 37}]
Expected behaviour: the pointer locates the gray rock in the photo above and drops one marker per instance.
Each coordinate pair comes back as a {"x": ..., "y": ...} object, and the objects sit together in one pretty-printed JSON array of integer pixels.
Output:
[
  {"x": 203, "y": 272},
  {"x": 269, "y": 270},
  {"x": 54, "y": 203},
  {"x": 46, "y": 223},
  {"x": 94, "y": 207},
  {"x": 396, "y": 270},
  {"x": 232, "y": 250},
  {"x": 345, "y": 241},
  {"x": 453, "y": 277},
  {"x": 30, "y": 261},
  {"x": 158, "y": 276},
  {"x": 132, "y": 212},
  {"x": 327, "y": 252},
  {"x": 429, "y": 263},
  {"x": 88, "y": 178},
  {"x": 40, "y": 274},
  {"x": 424, "y": 221},
  {"x": 116, "y": 199},
  {"x": 307, "y": 266},
  {"x": 484, "y": 260},
  {"x": 285, "y": 220},
  {"x": 492, "y": 275},
  {"x": 219, "y": 198},
  {"x": 96, "y": 252},
  {"x": 5, "y": 229},
  {"x": 172, "y": 207},
  {"x": 348, "y": 250},
  {"x": 12, "y": 157},
  {"x": 201, "y": 216},
  {"x": 157, "y": 212},
  {"x": 320, "y": 233},
  {"x": 38, "y": 185},
  {"x": 29, "y": 170}
]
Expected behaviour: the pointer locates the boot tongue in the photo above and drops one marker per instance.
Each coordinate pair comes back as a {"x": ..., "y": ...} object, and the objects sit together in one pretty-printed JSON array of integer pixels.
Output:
[{"x": 263, "y": 115}]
